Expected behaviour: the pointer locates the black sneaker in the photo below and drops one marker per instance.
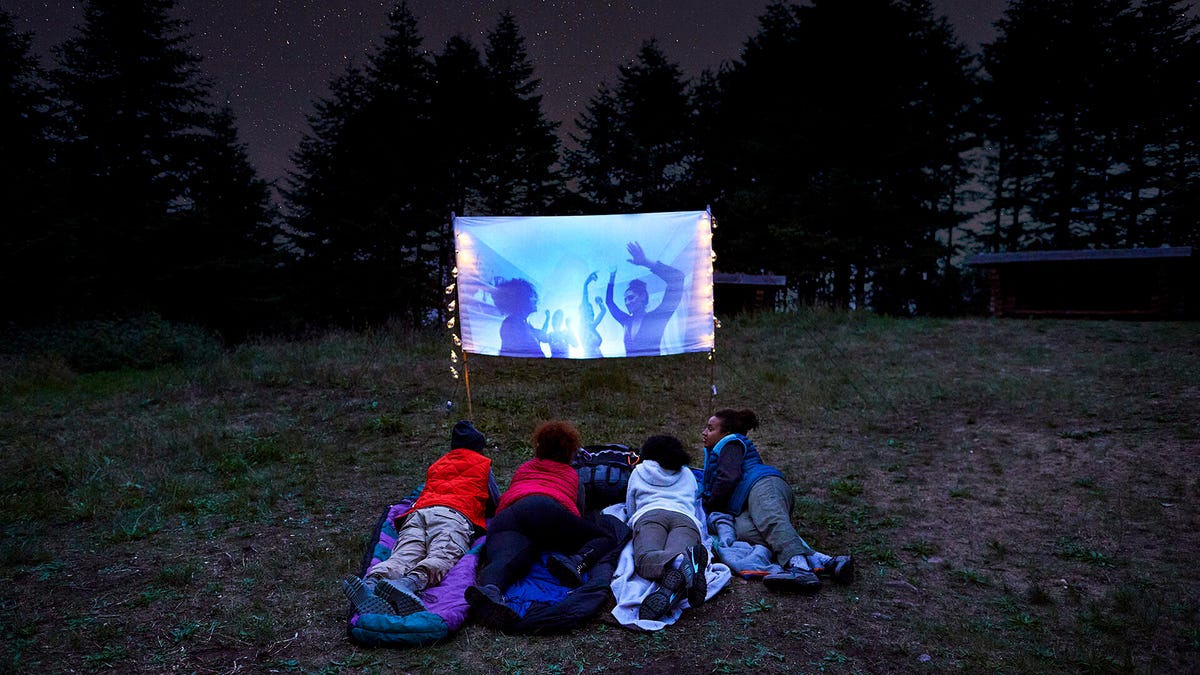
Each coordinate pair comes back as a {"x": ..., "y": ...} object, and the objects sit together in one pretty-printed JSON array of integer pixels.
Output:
[
  {"x": 671, "y": 588},
  {"x": 487, "y": 606},
  {"x": 793, "y": 580},
  {"x": 402, "y": 599},
  {"x": 364, "y": 602},
  {"x": 695, "y": 562},
  {"x": 841, "y": 569},
  {"x": 568, "y": 569}
]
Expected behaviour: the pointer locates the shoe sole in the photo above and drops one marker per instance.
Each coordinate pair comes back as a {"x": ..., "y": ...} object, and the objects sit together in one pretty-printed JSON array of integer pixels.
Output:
[
  {"x": 655, "y": 606},
  {"x": 361, "y": 598},
  {"x": 405, "y": 603},
  {"x": 789, "y": 584}
]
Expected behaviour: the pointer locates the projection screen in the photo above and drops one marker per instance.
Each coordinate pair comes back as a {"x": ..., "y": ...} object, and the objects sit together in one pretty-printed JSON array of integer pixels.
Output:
[{"x": 583, "y": 287}]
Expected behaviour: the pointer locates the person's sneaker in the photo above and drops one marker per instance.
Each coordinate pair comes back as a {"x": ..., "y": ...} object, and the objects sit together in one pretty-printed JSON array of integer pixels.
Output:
[
  {"x": 400, "y": 595},
  {"x": 488, "y": 607},
  {"x": 841, "y": 569},
  {"x": 363, "y": 600},
  {"x": 670, "y": 591},
  {"x": 695, "y": 562},
  {"x": 568, "y": 569},
  {"x": 793, "y": 580}
]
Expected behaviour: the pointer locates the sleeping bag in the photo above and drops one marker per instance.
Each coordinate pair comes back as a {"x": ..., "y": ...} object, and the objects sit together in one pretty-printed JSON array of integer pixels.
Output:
[{"x": 445, "y": 604}]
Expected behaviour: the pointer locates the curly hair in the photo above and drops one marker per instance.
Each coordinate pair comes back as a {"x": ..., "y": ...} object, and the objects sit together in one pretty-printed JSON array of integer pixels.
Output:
[
  {"x": 736, "y": 421},
  {"x": 556, "y": 440},
  {"x": 668, "y": 451},
  {"x": 511, "y": 295}
]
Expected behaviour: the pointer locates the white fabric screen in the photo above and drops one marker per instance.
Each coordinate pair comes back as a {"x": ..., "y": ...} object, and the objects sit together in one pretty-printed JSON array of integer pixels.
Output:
[{"x": 537, "y": 287}]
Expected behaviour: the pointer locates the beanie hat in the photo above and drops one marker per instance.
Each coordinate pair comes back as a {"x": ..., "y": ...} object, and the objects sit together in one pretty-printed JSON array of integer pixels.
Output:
[{"x": 465, "y": 435}]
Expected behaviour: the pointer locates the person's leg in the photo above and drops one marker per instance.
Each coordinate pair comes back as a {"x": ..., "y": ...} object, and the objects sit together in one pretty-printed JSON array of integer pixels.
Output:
[
  {"x": 649, "y": 544},
  {"x": 508, "y": 552},
  {"x": 410, "y": 547},
  {"x": 577, "y": 542},
  {"x": 448, "y": 535},
  {"x": 767, "y": 520},
  {"x": 681, "y": 535}
]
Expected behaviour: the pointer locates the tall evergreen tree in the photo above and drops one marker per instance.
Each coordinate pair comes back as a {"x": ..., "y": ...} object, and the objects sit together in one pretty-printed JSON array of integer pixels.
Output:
[
  {"x": 139, "y": 151},
  {"x": 459, "y": 96},
  {"x": 28, "y": 236},
  {"x": 519, "y": 169},
  {"x": 367, "y": 206},
  {"x": 1091, "y": 112},
  {"x": 846, "y": 177},
  {"x": 635, "y": 142}
]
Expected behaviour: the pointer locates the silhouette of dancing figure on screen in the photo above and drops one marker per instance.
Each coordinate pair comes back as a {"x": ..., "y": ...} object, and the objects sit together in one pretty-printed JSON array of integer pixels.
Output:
[
  {"x": 516, "y": 299},
  {"x": 644, "y": 328},
  {"x": 589, "y": 337}
]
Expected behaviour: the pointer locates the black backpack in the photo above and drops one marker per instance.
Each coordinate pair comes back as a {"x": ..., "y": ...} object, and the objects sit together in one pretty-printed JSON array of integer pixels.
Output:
[{"x": 604, "y": 472}]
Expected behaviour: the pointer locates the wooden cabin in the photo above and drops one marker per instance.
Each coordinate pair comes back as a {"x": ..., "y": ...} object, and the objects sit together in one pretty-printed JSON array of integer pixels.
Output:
[
  {"x": 1152, "y": 283},
  {"x": 737, "y": 293}
]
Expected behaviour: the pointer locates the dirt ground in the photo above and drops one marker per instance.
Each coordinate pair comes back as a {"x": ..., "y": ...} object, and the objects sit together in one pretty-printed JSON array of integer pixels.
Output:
[{"x": 1018, "y": 496}]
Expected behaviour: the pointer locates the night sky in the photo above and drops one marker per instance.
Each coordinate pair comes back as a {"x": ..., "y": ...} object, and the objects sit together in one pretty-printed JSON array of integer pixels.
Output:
[{"x": 270, "y": 59}]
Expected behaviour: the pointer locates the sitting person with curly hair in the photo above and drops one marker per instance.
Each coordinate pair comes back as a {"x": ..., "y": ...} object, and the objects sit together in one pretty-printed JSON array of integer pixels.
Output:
[{"x": 539, "y": 512}]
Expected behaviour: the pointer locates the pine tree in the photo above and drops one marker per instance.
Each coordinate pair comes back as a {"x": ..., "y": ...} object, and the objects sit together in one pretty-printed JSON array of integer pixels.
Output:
[
  {"x": 522, "y": 147},
  {"x": 1091, "y": 107},
  {"x": 29, "y": 238},
  {"x": 368, "y": 209},
  {"x": 635, "y": 142},
  {"x": 846, "y": 177},
  {"x": 149, "y": 160}
]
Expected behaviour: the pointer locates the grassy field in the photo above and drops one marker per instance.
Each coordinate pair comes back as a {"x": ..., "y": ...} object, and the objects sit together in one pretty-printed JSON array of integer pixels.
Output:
[{"x": 1020, "y": 497}]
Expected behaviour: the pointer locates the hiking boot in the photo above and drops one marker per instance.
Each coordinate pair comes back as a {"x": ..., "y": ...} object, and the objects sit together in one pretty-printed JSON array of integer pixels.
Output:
[
  {"x": 793, "y": 580},
  {"x": 487, "y": 606},
  {"x": 670, "y": 591},
  {"x": 401, "y": 595},
  {"x": 695, "y": 561},
  {"x": 568, "y": 569},
  {"x": 363, "y": 600}
]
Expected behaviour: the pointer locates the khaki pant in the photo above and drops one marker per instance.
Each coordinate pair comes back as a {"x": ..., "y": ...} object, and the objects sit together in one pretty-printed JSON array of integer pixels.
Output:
[{"x": 430, "y": 542}]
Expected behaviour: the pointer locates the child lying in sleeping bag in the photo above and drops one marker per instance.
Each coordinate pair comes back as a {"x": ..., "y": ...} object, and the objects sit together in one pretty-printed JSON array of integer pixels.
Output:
[{"x": 460, "y": 492}]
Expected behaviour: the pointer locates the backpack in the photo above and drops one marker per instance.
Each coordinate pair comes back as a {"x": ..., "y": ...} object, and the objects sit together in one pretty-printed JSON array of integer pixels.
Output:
[{"x": 604, "y": 472}]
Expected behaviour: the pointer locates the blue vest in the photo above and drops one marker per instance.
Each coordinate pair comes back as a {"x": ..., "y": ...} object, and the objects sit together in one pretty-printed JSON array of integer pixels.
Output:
[{"x": 753, "y": 469}]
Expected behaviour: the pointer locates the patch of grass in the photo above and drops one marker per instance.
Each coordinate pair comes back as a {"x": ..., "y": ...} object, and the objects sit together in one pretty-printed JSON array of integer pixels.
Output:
[
  {"x": 844, "y": 488},
  {"x": 879, "y": 550},
  {"x": 106, "y": 656},
  {"x": 920, "y": 548},
  {"x": 756, "y": 606},
  {"x": 1071, "y": 549},
  {"x": 971, "y": 576},
  {"x": 178, "y": 575}
]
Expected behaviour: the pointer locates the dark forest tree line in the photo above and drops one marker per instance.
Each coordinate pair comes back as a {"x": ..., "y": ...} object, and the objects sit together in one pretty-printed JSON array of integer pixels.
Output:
[{"x": 855, "y": 146}]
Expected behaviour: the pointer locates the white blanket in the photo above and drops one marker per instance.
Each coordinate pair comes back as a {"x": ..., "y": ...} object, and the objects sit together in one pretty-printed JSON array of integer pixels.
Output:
[{"x": 629, "y": 589}]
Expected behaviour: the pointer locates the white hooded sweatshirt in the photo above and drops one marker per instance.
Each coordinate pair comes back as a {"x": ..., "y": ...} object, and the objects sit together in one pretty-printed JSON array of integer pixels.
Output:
[{"x": 653, "y": 487}]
